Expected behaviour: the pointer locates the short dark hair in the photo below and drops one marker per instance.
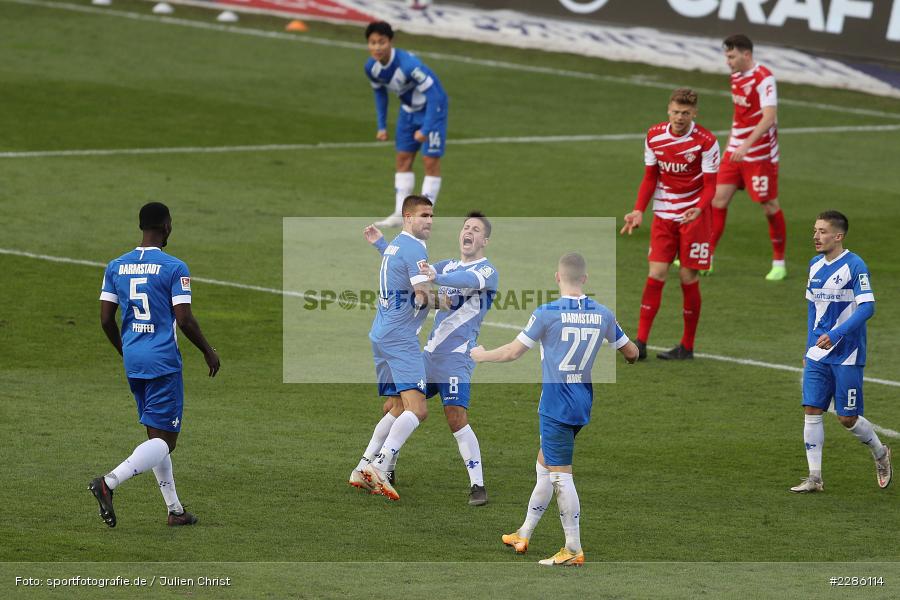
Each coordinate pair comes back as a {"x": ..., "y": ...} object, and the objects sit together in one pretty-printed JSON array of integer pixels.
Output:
[
  {"x": 477, "y": 214},
  {"x": 685, "y": 96},
  {"x": 738, "y": 41},
  {"x": 836, "y": 219},
  {"x": 382, "y": 27},
  {"x": 154, "y": 215},
  {"x": 411, "y": 202}
]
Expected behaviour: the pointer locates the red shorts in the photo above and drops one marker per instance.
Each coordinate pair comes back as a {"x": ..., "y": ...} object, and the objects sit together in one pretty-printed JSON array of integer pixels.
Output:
[
  {"x": 759, "y": 178},
  {"x": 690, "y": 242}
]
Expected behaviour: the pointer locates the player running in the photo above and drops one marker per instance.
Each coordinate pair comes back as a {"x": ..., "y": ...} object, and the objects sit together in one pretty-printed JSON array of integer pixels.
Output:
[
  {"x": 840, "y": 301},
  {"x": 153, "y": 290},
  {"x": 570, "y": 331},
  {"x": 751, "y": 160},
  {"x": 404, "y": 298},
  {"x": 421, "y": 122},
  {"x": 467, "y": 289},
  {"x": 681, "y": 161}
]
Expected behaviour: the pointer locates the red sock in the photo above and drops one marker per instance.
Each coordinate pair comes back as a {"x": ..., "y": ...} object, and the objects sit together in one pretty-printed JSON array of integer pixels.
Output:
[
  {"x": 649, "y": 307},
  {"x": 718, "y": 226},
  {"x": 691, "y": 313},
  {"x": 778, "y": 234}
]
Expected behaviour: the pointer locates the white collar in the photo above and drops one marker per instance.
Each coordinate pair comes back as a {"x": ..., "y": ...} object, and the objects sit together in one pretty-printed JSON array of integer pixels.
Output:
[
  {"x": 142, "y": 249},
  {"x": 390, "y": 62},
  {"x": 474, "y": 262},
  {"x": 836, "y": 258},
  {"x": 689, "y": 131},
  {"x": 581, "y": 297},
  {"x": 750, "y": 72},
  {"x": 414, "y": 237}
]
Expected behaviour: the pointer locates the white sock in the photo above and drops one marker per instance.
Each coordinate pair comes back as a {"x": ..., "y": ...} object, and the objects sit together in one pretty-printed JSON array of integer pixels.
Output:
[
  {"x": 166, "y": 480},
  {"x": 471, "y": 454},
  {"x": 378, "y": 437},
  {"x": 540, "y": 499},
  {"x": 431, "y": 187},
  {"x": 814, "y": 438},
  {"x": 392, "y": 462},
  {"x": 145, "y": 457},
  {"x": 569, "y": 509},
  {"x": 404, "y": 184},
  {"x": 866, "y": 434},
  {"x": 778, "y": 263},
  {"x": 402, "y": 428}
]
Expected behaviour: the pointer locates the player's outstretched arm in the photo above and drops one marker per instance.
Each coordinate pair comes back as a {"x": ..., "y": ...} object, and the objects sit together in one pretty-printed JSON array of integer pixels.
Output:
[
  {"x": 630, "y": 352},
  {"x": 506, "y": 353},
  {"x": 191, "y": 329},
  {"x": 108, "y": 323}
]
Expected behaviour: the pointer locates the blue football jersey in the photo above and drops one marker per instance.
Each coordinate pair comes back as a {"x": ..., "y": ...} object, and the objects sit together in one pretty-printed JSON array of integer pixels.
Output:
[
  {"x": 470, "y": 288},
  {"x": 147, "y": 283},
  {"x": 396, "y": 317},
  {"x": 570, "y": 332},
  {"x": 834, "y": 291},
  {"x": 412, "y": 81}
]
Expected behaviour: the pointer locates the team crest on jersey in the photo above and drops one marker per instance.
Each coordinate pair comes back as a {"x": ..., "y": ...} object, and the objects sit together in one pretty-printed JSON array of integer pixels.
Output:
[
  {"x": 418, "y": 75},
  {"x": 486, "y": 271},
  {"x": 864, "y": 282},
  {"x": 690, "y": 157},
  {"x": 747, "y": 89},
  {"x": 186, "y": 284}
]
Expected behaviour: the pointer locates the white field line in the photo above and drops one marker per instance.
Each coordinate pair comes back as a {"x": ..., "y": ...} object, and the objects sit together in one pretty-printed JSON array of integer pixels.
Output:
[
  {"x": 531, "y": 139},
  {"x": 511, "y": 326},
  {"x": 496, "y": 64}
]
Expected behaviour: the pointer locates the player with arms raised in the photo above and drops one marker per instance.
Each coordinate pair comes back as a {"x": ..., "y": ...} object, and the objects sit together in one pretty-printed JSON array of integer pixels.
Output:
[
  {"x": 404, "y": 298},
  {"x": 153, "y": 289},
  {"x": 570, "y": 332},
  {"x": 751, "y": 160},
  {"x": 467, "y": 290},
  {"x": 421, "y": 122},
  {"x": 840, "y": 301},
  {"x": 681, "y": 159}
]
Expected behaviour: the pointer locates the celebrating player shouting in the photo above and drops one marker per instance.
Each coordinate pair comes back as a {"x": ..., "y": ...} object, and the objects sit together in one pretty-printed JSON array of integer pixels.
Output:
[
  {"x": 681, "y": 161},
  {"x": 751, "y": 160},
  {"x": 570, "y": 332},
  {"x": 467, "y": 289},
  {"x": 422, "y": 120}
]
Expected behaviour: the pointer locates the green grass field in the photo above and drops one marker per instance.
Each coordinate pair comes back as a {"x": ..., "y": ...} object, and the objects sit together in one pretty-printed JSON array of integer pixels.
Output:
[{"x": 682, "y": 474}]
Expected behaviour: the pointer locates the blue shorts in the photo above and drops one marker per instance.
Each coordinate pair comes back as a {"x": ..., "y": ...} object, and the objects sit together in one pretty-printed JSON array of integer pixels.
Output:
[
  {"x": 449, "y": 375},
  {"x": 398, "y": 367},
  {"x": 824, "y": 381},
  {"x": 409, "y": 123},
  {"x": 160, "y": 401},
  {"x": 557, "y": 441}
]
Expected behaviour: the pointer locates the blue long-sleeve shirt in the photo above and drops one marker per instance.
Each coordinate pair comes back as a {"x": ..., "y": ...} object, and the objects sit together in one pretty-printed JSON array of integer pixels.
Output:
[{"x": 412, "y": 81}]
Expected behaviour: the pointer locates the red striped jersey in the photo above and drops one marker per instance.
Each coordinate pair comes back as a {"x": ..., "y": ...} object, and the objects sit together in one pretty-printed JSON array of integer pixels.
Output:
[
  {"x": 682, "y": 161},
  {"x": 750, "y": 92}
]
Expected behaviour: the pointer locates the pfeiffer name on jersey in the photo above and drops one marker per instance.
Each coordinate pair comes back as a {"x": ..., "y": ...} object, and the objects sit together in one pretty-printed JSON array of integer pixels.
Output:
[{"x": 202, "y": 581}]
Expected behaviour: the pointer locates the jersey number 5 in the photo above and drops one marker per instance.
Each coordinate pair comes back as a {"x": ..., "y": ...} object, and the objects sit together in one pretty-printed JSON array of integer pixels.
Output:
[
  {"x": 141, "y": 314},
  {"x": 578, "y": 334}
]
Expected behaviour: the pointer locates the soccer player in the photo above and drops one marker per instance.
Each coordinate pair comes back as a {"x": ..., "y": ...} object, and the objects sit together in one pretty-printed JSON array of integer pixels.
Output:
[
  {"x": 840, "y": 301},
  {"x": 681, "y": 159},
  {"x": 404, "y": 298},
  {"x": 467, "y": 290},
  {"x": 751, "y": 160},
  {"x": 570, "y": 331},
  {"x": 421, "y": 122},
  {"x": 153, "y": 289}
]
